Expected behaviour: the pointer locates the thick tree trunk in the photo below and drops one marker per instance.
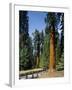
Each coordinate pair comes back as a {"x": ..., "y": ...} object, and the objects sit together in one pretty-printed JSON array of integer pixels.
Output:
[{"x": 52, "y": 65}]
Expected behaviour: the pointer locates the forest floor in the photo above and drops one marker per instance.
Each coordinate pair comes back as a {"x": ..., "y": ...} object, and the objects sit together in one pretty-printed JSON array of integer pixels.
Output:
[{"x": 47, "y": 74}]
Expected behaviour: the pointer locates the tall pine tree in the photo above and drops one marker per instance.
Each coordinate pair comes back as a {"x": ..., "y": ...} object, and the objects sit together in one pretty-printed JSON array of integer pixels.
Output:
[
  {"x": 36, "y": 40},
  {"x": 25, "y": 42}
]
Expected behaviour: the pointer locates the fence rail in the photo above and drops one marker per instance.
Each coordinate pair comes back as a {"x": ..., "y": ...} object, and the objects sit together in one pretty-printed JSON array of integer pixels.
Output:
[{"x": 30, "y": 72}]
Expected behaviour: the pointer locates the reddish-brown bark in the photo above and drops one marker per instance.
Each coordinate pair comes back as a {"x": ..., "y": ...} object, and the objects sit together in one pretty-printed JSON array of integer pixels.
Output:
[{"x": 52, "y": 65}]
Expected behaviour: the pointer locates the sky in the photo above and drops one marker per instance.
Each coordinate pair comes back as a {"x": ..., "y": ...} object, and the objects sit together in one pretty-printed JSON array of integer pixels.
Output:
[{"x": 36, "y": 21}]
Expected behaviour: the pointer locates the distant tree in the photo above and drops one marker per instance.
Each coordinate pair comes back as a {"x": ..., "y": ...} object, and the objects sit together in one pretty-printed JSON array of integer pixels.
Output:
[
  {"x": 44, "y": 57},
  {"x": 62, "y": 33},
  {"x": 41, "y": 41},
  {"x": 36, "y": 40},
  {"x": 60, "y": 41}
]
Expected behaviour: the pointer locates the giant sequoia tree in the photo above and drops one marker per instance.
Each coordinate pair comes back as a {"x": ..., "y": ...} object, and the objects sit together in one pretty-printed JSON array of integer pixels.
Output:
[{"x": 53, "y": 20}]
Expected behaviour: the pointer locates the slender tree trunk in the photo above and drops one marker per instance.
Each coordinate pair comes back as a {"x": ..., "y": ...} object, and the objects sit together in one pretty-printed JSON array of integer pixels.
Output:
[
  {"x": 52, "y": 65},
  {"x": 38, "y": 55},
  {"x": 37, "y": 63}
]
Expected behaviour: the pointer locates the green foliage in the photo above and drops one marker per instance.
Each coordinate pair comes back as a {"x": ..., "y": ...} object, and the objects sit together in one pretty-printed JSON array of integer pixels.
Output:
[
  {"x": 23, "y": 58},
  {"x": 50, "y": 19},
  {"x": 57, "y": 53},
  {"x": 44, "y": 58},
  {"x": 25, "y": 43},
  {"x": 43, "y": 42},
  {"x": 60, "y": 45},
  {"x": 26, "y": 56},
  {"x": 36, "y": 41},
  {"x": 60, "y": 64}
]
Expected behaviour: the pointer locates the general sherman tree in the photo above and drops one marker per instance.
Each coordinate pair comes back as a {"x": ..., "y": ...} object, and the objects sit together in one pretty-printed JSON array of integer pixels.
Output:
[{"x": 51, "y": 20}]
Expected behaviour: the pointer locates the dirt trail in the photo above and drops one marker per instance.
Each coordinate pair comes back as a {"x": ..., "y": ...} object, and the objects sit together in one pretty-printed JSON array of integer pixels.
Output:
[{"x": 47, "y": 74}]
